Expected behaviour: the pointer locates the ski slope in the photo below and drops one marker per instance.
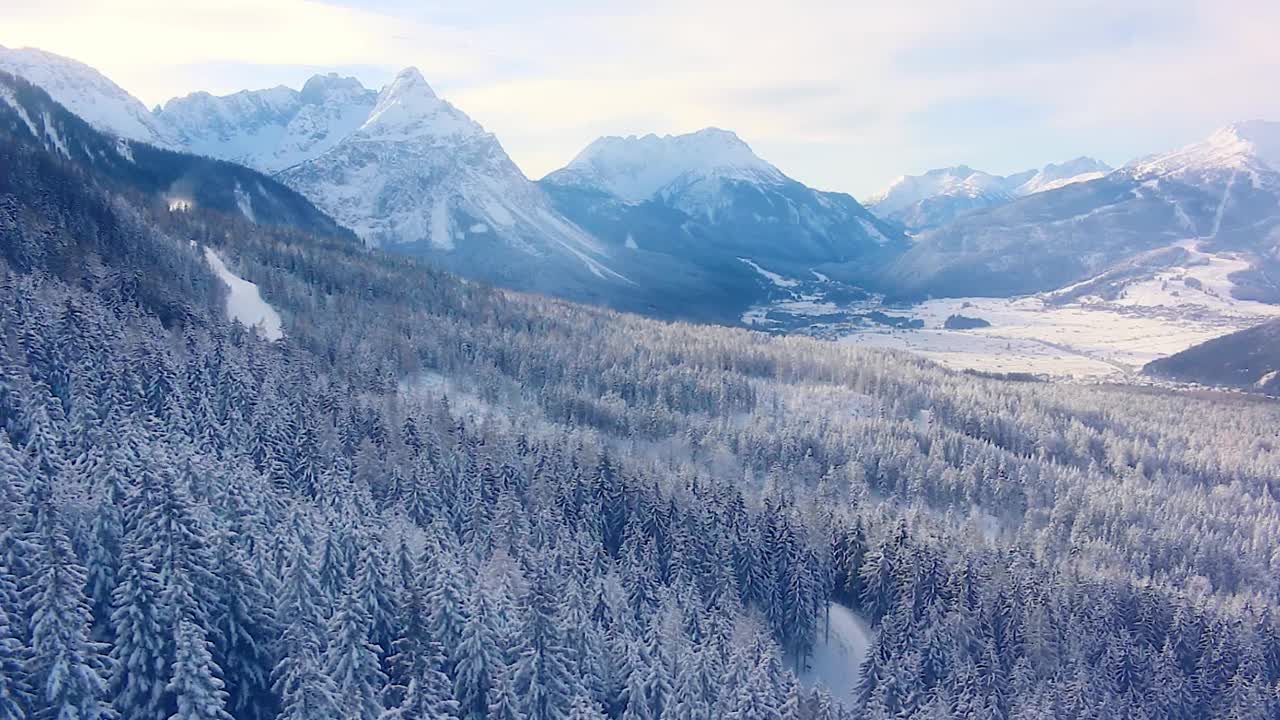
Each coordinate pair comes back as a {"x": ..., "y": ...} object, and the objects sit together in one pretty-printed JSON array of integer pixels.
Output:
[{"x": 244, "y": 302}]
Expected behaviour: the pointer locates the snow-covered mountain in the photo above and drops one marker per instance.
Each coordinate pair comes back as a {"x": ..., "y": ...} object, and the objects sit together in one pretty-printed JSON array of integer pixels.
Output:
[
  {"x": 271, "y": 129},
  {"x": 709, "y": 222},
  {"x": 710, "y": 188},
  {"x": 1052, "y": 176},
  {"x": 1251, "y": 147},
  {"x": 404, "y": 169},
  {"x": 1215, "y": 200},
  {"x": 87, "y": 93},
  {"x": 937, "y": 197},
  {"x": 166, "y": 178},
  {"x": 636, "y": 169},
  {"x": 958, "y": 181},
  {"x": 420, "y": 176}
]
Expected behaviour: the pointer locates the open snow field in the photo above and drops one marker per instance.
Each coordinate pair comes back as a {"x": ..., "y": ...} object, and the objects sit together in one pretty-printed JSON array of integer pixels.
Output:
[
  {"x": 838, "y": 656},
  {"x": 244, "y": 302},
  {"x": 1092, "y": 338},
  {"x": 1080, "y": 340}
]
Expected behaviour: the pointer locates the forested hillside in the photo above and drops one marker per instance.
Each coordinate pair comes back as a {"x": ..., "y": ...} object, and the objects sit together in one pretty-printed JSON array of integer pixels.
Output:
[
  {"x": 431, "y": 499},
  {"x": 1248, "y": 359}
]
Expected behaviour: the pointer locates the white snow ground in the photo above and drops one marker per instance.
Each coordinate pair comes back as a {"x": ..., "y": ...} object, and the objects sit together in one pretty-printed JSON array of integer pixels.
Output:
[
  {"x": 836, "y": 660},
  {"x": 244, "y": 302},
  {"x": 1087, "y": 340},
  {"x": 772, "y": 277},
  {"x": 1092, "y": 338}
]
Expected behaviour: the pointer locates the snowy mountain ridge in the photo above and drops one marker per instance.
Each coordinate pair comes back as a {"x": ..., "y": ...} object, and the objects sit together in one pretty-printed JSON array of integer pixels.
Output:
[
  {"x": 421, "y": 176},
  {"x": 639, "y": 168},
  {"x": 274, "y": 128},
  {"x": 1053, "y": 176},
  {"x": 1158, "y": 217},
  {"x": 939, "y": 196},
  {"x": 1252, "y": 147},
  {"x": 957, "y": 181},
  {"x": 87, "y": 93}
]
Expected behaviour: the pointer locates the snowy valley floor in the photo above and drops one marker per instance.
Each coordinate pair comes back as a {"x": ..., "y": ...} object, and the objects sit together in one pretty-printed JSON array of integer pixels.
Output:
[
  {"x": 1097, "y": 341},
  {"x": 1086, "y": 338}
]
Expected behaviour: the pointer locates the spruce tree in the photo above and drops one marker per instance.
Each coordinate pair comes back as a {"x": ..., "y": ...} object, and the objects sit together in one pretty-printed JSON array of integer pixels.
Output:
[
  {"x": 373, "y": 581},
  {"x": 300, "y": 681},
  {"x": 544, "y": 681},
  {"x": 196, "y": 685},
  {"x": 246, "y": 624},
  {"x": 16, "y": 699},
  {"x": 584, "y": 708},
  {"x": 67, "y": 667},
  {"x": 142, "y": 649},
  {"x": 477, "y": 659},
  {"x": 352, "y": 661},
  {"x": 503, "y": 703}
]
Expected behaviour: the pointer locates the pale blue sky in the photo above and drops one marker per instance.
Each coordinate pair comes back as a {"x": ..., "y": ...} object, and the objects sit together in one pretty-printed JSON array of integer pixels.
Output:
[{"x": 843, "y": 95}]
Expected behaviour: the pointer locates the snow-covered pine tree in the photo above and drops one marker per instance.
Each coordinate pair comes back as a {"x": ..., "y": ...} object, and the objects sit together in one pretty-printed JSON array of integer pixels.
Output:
[
  {"x": 543, "y": 678},
  {"x": 352, "y": 661},
  {"x": 196, "y": 685},
  {"x": 444, "y": 594},
  {"x": 503, "y": 703},
  {"x": 300, "y": 681},
  {"x": 246, "y": 624},
  {"x": 142, "y": 649},
  {"x": 584, "y": 708},
  {"x": 477, "y": 659},
  {"x": 16, "y": 699},
  {"x": 103, "y": 561},
  {"x": 373, "y": 582},
  {"x": 67, "y": 667}
]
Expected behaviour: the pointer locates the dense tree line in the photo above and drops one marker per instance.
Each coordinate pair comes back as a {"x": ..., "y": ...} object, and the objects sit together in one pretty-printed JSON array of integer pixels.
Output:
[{"x": 434, "y": 500}]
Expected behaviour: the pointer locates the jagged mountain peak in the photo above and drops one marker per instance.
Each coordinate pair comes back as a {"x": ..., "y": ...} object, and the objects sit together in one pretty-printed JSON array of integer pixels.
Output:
[
  {"x": 955, "y": 181},
  {"x": 327, "y": 86},
  {"x": 407, "y": 108},
  {"x": 273, "y": 128},
  {"x": 1056, "y": 175},
  {"x": 87, "y": 93},
  {"x": 409, "y": 81},
  {"x": 1249, "y": 146},
  {"x": 1258, "y": 138}
]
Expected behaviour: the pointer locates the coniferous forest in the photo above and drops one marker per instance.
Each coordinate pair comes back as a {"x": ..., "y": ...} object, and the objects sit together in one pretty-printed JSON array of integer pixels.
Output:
[{"x": 432, "y": 499}]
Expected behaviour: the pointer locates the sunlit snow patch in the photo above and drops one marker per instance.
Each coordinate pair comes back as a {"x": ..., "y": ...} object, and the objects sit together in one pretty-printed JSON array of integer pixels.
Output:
[
  {"x": 245, "y": 203},
  {"x": 51, "y": 131},
  {"x": 838, "y": 655},
  {"x": 244, "y": 302},
  {"x": 772, "y": 277},
  {"x": 6, "y": 96}
]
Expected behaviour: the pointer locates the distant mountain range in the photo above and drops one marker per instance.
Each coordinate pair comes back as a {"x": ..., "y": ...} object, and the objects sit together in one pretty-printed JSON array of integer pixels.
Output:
[
  {"x": 920, "y": 202},
  {"x": 1222, "y": 194},
  {"x": 656, "y": 225},
  {"x": 695, "y": 226}
]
